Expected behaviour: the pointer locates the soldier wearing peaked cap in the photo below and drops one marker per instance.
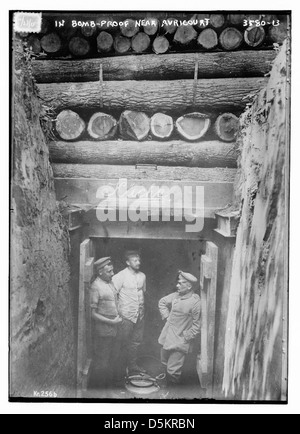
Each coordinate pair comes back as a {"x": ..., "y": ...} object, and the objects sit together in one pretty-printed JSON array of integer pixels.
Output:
[
  {"x": 181, "y": 310},
  {"x": 105, "y": 321}
]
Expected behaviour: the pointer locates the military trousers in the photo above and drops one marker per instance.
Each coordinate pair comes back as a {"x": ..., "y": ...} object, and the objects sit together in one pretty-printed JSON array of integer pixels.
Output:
[
  {"x": 106, "y": 353},
  {"x": 131, "y": 336},
  {"x": 173, "y": 362}
]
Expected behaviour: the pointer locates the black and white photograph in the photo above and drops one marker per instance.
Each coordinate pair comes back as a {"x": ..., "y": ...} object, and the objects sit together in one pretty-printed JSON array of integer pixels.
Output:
[{"x": 149, "y": 206}]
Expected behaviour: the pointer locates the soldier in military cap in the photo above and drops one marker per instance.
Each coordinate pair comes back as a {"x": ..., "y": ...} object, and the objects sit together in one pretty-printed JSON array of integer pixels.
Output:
[
  {"x": 181, "y": 310},
  {"x": 130, "y": 284},
  {"x": 105, "y": 322}
]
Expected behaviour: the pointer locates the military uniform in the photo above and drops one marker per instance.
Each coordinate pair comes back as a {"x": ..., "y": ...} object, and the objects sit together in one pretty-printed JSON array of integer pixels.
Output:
[
  {"x": 182, "y": 313},
  {"x": 103, "y": 299}
]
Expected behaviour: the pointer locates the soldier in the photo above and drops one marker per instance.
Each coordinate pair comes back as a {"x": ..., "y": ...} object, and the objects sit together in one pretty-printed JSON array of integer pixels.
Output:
[
  {"x": 130, "y": 285},
  {"x": 105, "y": 321},
  {"x": 181, "y": 309}
]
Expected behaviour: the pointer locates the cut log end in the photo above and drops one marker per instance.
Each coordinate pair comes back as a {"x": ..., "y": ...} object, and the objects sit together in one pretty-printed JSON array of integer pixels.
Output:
[
  {"x": 104, "y": 23},
  {"x": 130, "y": 28},
  {"x": 69, "y": 125},
  {"x": 51, "y": 43},
  {"x": 161, "y": 126},
  {"x": 34, "y": 44},
  {"x": 278, "y": 34},
  {"x": 231, "y": 38},
  {"x": 134, "y": 125},
  {"x": 185, "y": 35},
  {"x": 193, "y": 126},
  {"x": 217, "y": 20},
  {"x": 202, "y": 21},
  {"x": 151, "y": 27},
  {"x": 226, "y": 127},
  {"x": 170, "y": 26},
  {"x": 122, "y": 44},
  {"x": 102, "y": 126},
  {"x": 105, "y": 42},
  {"x": 88, "y": 31},
  {"x": 254, "y": 36},
  {"x": 236, "y": 19},
  {"x": 160, "y": 45},
  {"x": 79, "y": 47},
  {"x": 208, "y": 39},
  {"x": 140, "y": 42}
]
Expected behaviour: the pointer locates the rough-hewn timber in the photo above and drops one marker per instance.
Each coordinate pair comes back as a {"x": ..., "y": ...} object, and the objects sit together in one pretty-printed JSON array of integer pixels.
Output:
[
  {"x": 171, "y": 153},
  {"x": 98, "y": 171},
  {"x": 210, "y": 95},
  {"x": 153, "y": 67}
]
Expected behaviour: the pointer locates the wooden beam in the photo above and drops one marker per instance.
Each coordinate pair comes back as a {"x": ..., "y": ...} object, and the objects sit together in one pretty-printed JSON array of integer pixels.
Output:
[
  {"x": 210, "y": 94},
  {"x": 83, "y": 191},
  {"x": 170, "y": 153},
  {"x": 144, "y": 172},
  {"x": 144, "y": 230},
  {"x": 153, "y": 67}
]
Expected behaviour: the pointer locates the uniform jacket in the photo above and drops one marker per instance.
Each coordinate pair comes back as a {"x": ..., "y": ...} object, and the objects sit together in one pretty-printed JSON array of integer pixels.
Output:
[
  {"x": 130, "y": 287},
  {"x": 183, "y": 321},
  {"x": 104, "y": 300}
]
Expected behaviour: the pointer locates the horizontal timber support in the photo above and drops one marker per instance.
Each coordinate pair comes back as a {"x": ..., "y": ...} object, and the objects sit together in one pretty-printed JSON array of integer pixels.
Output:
[
  {"x": 171, "y": 153},
  {"x": 82, "y": 191},
  {"x": 144, "y": 230},
  {"x": 209, "y": 95},
  {"x": 97, "y": 171},
  {"x": 153, "y": 67}
]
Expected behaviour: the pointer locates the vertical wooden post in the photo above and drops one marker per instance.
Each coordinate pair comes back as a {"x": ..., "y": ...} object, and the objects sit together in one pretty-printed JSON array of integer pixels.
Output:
[
  {"x": 208, "y": 286},
  {"x": 84, "y": 349}
]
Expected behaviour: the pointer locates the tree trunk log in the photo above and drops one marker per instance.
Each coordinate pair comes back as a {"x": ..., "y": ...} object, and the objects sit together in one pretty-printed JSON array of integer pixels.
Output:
[
  {"x": 192, "y": 126},
  {"x": 185, "y": 35},
  {"x": 236, "y": 19},
  {"x": 121, "y": 45},
  {"x": 140, "y": 42},
  {"x": 134, "y": 125},
  {"x": 105, "y": 42},
  {"x": 88, "y": 31},
  {"x": 231, "y": 94},
  {"x": 34, "y": 44},
  {"x": 226, "y": 127},
  {"x": 217, "y": 21},
  {"x": 130, "y": 172},
  {"x": 102, "y": 126},
  {"x": 151, "y": 27},
  {"x": 208, "y": 39},
  {"x": 51, "y": 43},
  {"x": 130, "y": 29},
  {"x": 254, "y": 36},
  {"x": 278, "y": 33},
  {"x": 160, "y": 45},
  {"x": 161, "y": 126},
  {"x": 152, "y": 67},
  {"x": 69, "y": 125},
  {"x": 231, "y": 38},
  {"x": 171, "y": 153},
  {"x": 66, "y": 32},
  {"x": 202, "y": 21},
  {"x": 169, "y": 26},
  {"x": 79, "y": 47},
  {"x": 104, "y": 23}
]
